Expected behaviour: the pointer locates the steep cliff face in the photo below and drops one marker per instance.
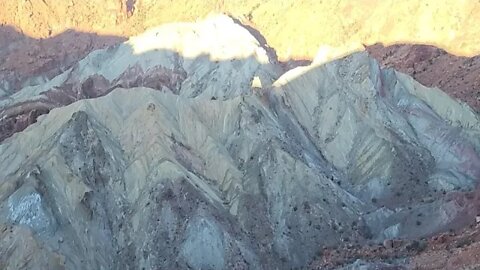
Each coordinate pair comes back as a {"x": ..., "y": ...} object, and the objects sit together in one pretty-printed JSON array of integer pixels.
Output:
[{"x": 186, "y": 147}]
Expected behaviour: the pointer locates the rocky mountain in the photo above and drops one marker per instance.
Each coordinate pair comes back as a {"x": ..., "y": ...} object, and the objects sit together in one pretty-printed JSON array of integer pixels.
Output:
[{"x": 188, "y": 146}]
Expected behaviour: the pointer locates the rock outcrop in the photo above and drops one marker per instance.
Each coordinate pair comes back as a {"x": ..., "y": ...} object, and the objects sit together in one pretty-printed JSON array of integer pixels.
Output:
[{"x": 449, "y": 250}]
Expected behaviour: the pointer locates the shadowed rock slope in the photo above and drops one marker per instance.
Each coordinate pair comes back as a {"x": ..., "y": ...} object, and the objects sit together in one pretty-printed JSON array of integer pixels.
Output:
[{"x": 219, "y": 163}]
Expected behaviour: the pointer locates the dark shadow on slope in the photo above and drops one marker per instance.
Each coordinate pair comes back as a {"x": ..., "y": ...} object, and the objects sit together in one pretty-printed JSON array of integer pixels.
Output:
[
  {"x": 17, "y": 117},
  {"x": 23, "y": 58},
  {"x": 272, "y": 54},
  {"x": 458, "y": 76},
  {"x": 27, "y": 61}
]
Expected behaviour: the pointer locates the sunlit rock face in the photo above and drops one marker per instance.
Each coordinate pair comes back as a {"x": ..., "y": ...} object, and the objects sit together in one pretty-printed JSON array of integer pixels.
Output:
[
  {"x": 294, "y": 29},
  {"x": 188, "y": 59},
  {"x": 434, "y": 67},
  {"x": 175, "y": 161}
]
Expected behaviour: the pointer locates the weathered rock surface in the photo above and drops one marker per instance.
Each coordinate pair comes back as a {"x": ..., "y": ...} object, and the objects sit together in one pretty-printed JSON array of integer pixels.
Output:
[
  {"x": 378, "y": 127},
  {"x": 192, "y": 153},
  {"x": 26, "y": 61}
]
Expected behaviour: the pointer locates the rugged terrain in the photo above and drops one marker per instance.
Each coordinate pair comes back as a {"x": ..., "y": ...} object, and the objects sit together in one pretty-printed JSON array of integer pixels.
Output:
[
  {"x": 208, "y": 144},
  {"x": 192, "y": 145},
  {"x": 45, "y": 37}
]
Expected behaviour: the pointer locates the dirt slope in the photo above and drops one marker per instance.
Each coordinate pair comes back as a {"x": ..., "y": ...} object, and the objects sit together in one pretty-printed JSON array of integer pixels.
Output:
[
  {"x": 457, "y": 76},
  {"x": 451, "y": 251},
  {"x": 24, "y": 60}
]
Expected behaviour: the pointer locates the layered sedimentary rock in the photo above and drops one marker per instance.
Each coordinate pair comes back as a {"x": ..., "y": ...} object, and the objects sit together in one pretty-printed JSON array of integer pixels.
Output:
[{"x": 191, "y": 152}]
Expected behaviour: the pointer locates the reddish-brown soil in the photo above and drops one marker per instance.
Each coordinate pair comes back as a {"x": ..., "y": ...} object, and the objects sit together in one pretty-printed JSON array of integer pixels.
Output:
[
  {"x": 23, "y": 58},
  {"x": 451, "y": 250},
  {"x": 457, "y": 76}
]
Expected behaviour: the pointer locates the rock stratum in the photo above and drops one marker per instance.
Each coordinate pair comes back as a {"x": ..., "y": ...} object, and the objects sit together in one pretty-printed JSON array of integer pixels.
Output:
[{"x": 189, "y": 147}]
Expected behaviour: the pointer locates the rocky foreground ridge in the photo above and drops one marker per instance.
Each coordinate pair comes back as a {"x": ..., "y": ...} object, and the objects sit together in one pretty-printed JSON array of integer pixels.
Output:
[{"x": 188, "y": 146}]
